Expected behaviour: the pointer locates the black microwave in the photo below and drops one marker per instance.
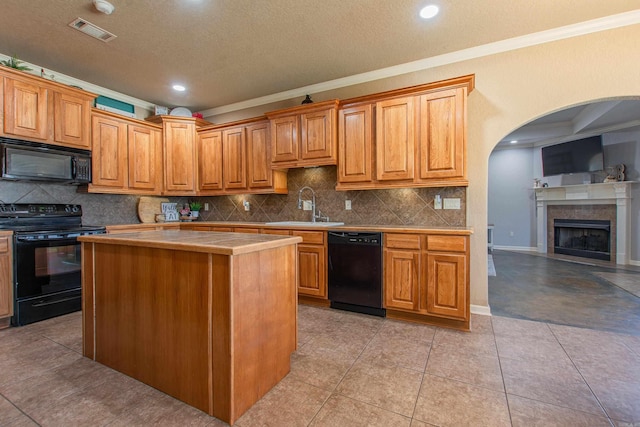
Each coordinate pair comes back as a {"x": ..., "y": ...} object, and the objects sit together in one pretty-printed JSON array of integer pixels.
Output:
[{"x": 28, "y": 161}]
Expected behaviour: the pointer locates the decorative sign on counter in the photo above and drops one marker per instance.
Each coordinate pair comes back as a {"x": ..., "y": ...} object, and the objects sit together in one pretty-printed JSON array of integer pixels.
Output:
[{"x": 170, "y": 212}]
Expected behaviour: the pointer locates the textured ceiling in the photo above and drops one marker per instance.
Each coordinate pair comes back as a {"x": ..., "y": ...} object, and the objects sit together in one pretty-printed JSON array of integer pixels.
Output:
[{"x": 227, "y": 51}]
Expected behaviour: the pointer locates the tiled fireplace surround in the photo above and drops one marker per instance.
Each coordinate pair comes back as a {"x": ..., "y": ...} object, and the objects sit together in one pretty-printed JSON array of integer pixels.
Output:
[
  {"x": 605, "y": 201},
  {"x": 409, "y": 206}
]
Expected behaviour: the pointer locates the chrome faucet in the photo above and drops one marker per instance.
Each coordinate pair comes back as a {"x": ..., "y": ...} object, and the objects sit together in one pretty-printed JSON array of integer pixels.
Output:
[{"x": 314, "y": 216}]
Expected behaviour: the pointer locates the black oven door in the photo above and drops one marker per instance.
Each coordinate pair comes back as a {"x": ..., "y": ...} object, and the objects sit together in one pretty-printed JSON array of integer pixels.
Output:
[{"x": 46, "y": 267}]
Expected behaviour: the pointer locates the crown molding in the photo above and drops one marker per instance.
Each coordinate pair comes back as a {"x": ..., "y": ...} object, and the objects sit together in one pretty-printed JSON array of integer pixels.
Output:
[{"x": 547, "y": 36}]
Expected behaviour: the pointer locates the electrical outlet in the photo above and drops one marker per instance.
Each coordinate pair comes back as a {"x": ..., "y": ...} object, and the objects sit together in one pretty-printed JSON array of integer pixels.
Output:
[
  {"x": 307, "y": 205},
  {"x": 347, "y": 205},
  {"x": 247, "y": 205},
  {"x": 206, "y": 207},
  {"x": 437, "y": 202},
  {"x": 452, "y": 203}
]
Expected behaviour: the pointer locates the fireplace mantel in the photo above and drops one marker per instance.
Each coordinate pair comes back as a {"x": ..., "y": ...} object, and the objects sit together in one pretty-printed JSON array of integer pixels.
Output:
[{"x": 618, "y": 193}]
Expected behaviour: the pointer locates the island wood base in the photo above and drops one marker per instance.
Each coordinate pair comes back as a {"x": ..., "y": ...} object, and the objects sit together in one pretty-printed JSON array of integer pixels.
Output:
[{"x": 215, "y": 331}]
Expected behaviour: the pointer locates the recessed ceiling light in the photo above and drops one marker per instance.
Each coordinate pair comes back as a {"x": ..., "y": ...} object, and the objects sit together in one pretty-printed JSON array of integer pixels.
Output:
[
  {"x": 179, "y": 88},
  {"x": 515, "y": 141},
  {"x": 429, "y": 11}
]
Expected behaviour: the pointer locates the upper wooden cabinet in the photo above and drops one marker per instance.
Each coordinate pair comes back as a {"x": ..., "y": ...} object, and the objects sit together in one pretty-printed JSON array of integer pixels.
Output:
[
  {"x": 305, "y": 135},
  {"x": 395, "y": 139},
  {"x": 179, "y": 148},
  {"x": 235, "y": 159},
  {"x": 417, "y": 137},
  {"x": 209, "y": 161},
  {"x": 127, "y": 155},
  {"x": 40, "y": 110},
  {"x": 355, "y": 144}
]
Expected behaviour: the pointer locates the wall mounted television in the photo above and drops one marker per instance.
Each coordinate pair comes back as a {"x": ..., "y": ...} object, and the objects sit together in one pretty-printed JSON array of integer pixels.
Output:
[{"x": 579, "y": 156}]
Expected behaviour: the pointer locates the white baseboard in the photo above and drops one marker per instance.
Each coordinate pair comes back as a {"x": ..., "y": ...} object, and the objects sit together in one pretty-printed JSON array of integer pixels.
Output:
[
  {"x": 634, "y": 262},
  {"x": 484, "y": 310},
  {"x": 517, "y": 248}
]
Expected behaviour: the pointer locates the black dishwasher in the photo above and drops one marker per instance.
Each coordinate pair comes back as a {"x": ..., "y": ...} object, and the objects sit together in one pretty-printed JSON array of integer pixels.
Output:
[{"x": 355, "y": 271}]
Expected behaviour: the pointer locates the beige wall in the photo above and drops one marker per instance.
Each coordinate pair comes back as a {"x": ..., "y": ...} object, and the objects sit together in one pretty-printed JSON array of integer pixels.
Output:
[{"x": 512, "y": 89}]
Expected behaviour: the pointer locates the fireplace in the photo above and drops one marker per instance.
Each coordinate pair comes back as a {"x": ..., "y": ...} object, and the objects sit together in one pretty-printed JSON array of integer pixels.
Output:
[{"x": 585, "y": 238}]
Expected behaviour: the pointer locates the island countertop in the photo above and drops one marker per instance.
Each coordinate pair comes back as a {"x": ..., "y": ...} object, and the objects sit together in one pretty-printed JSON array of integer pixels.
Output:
[{"x": 221, "y": 243}]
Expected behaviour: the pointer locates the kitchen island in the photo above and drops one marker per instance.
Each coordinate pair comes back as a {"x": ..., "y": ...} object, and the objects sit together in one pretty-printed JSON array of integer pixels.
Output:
[{"x": 208, "y": 318}]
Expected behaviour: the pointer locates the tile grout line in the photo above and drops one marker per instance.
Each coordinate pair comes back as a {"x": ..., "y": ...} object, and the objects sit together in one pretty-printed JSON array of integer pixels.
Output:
[
  {"x": 504, "y": 385},
  {"x": 424, "y": 374},
  {"x": 595, "y": 396}
]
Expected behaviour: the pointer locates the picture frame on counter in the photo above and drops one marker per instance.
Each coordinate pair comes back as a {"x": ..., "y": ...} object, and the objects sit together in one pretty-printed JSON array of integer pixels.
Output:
[{"x": 160, "y": 110}]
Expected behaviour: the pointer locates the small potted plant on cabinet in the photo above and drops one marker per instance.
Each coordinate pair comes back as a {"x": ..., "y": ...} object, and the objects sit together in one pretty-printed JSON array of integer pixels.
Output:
[{"x": 195, "y": 209}]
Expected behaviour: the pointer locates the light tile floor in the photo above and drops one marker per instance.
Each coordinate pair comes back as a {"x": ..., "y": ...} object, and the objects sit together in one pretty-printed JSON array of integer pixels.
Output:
[{"x": 352, "y": 370}]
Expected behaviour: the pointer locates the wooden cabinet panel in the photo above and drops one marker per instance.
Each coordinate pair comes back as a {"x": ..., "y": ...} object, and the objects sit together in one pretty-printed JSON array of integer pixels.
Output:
[
  {"x": 234, "y": 158},
  {"x": 395, "y": 139},
  {"x": 110, "y": 154},
  {"x": 6, "y": 277},
  {"x": 446, "y": 290},
  {"x": 447, "y": 243},
  {"x": 145, "y": 155},
  {"x": 355, "y": 127},
  {"x": 25, "y": 109},
  {"x": 402, "y": 241},
  {"x": 284, "y": 139},
  {"x": 210, "y": 161},
  {"x": 311, "y": 237},
  {"x": 72, "y": 118},
  {"x": 259, "y": 173},
  {"x": 401, "y": 279},
  {"x": 180, "y": 162},
  {"x": 317, "y": 140},
  {"x": 442, "y": 134},
  {"x": 312, "y": 267},
  {"x": 275, "y": 231}
]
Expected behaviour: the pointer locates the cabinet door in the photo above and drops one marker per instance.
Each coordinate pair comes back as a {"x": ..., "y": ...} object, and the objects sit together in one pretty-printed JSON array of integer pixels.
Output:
[
  {"x": 442, "y": 134},
  {"x": 284, "y": 139},
  {"x": 6, "y": 277},
  {"x": 144, "y": 158},
  {"x": 259, "y": 171},
  {"x": 210, "y": 160},
  {"x": 25, "y": 109},
  {"x": 355, "y": 143},
  {"x": 401, "y": 279},
  {"x": 446, "y": 286},
  {"x": 180, "y": 162},
  {"x": 234, "y": 172},
  {"x": 395, "y": 139},
  {"x": 312, "y": 268},
  {"x": 71, "y": 118},
  {"x": 109, "y": 155},
  {"x": 317, "y": 135}
]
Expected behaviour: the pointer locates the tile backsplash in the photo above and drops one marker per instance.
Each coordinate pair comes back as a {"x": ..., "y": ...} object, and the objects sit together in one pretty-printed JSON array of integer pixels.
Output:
[{"x": 406, "y": 206}]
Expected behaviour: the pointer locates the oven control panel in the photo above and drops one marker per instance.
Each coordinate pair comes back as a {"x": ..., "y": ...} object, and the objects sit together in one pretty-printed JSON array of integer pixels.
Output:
[{"x": 45, "y": 210}]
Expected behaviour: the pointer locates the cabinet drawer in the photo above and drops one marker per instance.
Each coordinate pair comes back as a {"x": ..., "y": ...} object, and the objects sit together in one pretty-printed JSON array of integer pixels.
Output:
[
  {"x": 246, "y": 230},
  {"x": 310, "y": 237},
  {"x": 276, "y": 231},
  {"x": 447, "y": 243},
  {"x": 402, "y": 241}
]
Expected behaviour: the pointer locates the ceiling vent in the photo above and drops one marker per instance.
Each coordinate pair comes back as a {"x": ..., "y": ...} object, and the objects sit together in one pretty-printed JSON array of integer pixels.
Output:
[{"x": 92, "y": 30}]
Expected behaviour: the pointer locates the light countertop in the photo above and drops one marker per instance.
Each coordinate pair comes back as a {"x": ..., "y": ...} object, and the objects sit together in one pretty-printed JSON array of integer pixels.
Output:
[{"x": 194, "y": 241}]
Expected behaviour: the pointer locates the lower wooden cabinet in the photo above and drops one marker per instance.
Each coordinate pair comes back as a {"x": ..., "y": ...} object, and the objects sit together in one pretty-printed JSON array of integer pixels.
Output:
[
  {"x": 426, "y": 278},
  {"x": 401, "y": 279},
  {"x": 6, "y": 278}
]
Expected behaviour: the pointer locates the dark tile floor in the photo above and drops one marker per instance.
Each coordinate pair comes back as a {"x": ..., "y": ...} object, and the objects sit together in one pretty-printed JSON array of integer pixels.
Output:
[
  {"x": 566, "y": 291},
  {"x": 352, "y": 370}
]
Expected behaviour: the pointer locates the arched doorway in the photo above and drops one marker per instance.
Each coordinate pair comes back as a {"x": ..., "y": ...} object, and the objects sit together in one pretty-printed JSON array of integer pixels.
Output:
[{"x": 535, "y": 286}]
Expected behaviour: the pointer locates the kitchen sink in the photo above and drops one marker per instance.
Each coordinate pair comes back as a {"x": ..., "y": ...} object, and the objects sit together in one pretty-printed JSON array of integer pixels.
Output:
[{"x": 305, "y": 223}]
